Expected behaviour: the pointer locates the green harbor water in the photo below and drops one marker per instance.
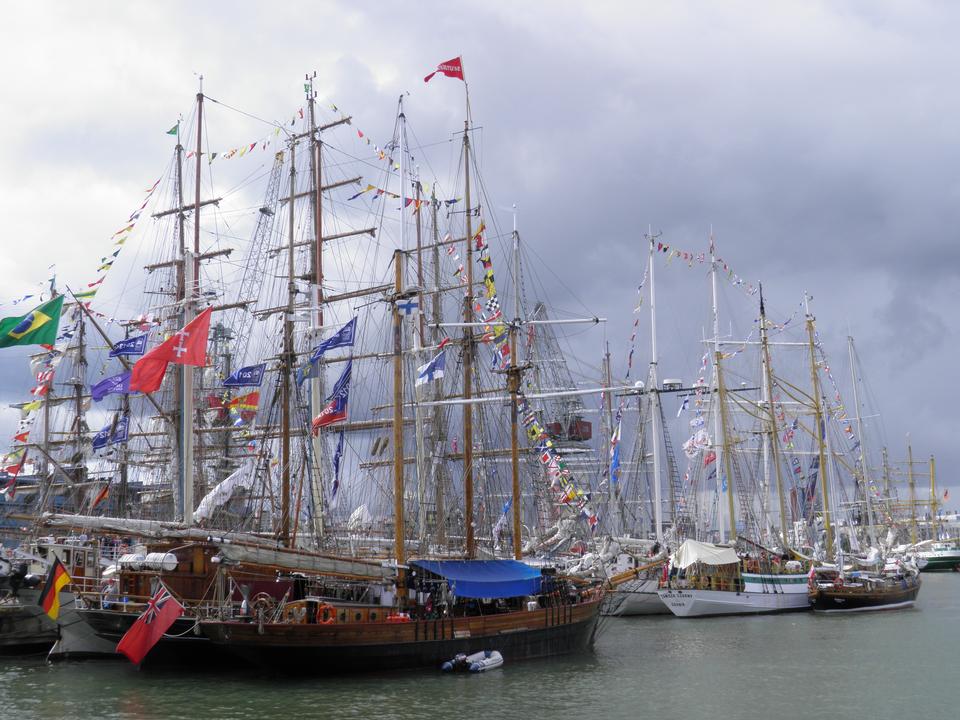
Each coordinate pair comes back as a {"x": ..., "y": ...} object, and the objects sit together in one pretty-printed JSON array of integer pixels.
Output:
[{"x": 897, "y": 664}]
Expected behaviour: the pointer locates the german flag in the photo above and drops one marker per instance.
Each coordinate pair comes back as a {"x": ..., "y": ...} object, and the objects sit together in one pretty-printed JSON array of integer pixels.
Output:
[{"x": 57, "y": 579}]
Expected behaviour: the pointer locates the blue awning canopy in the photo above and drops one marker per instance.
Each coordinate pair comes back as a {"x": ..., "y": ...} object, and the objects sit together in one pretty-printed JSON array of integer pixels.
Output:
[{"x": 485, "y": 578}]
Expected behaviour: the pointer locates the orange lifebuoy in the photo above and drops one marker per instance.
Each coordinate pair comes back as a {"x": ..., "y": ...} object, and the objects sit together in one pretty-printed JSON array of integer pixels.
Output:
[{"x": 326, "y": 614}]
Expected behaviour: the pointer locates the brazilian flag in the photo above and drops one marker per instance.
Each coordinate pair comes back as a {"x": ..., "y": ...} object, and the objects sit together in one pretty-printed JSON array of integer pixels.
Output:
[{"x": 37, "y": 327}]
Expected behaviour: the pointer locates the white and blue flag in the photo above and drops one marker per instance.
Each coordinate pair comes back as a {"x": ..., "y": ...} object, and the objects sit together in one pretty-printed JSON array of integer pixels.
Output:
[{"x": 433, "y": 370}]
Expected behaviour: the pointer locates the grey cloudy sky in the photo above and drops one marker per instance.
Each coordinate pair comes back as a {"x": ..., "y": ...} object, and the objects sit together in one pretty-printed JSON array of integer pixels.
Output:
[{"x": 817, "y": 139}]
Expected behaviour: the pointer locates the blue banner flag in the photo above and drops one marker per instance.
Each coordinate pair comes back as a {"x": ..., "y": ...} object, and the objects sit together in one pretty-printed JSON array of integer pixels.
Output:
[
  {"x": 130, "y": 346},
  {"x": 250, "y": 376},
  {"x": 337, "y": 456},
  {"x": 115, "y": 384},
  {"x": 115, "y": 432},
  {"x": 343, "y": 337}
]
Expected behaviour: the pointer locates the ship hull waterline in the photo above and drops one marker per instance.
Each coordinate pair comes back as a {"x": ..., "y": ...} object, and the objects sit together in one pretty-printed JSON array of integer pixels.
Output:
[{"x": 366, "y": 647}]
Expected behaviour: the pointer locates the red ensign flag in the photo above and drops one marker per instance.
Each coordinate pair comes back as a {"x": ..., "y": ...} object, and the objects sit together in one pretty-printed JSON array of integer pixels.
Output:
[
  {"x": 450, "y": 68},
  {"x": 162, "y": 610}
]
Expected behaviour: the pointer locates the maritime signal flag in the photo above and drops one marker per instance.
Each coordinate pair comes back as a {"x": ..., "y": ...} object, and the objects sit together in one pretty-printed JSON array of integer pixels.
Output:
[
  {"x": 57, "y": 580},
  {"x": 185, "y": 347},
  {"x": 162, "y": 611}
]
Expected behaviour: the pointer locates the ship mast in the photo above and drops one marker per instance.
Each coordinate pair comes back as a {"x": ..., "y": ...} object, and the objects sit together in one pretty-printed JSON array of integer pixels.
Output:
[
  {"x": 719, "y": 433},
  {"x": 316, "y": 251},
  {"x": 654, "y": 390},
  {"x": 773, "y": 439},
  {"x": 933, "y": 500},
  {"x": 439, "y": 426},
  {"x": 191, "y": 263},
  {"x": 913, "y": 493},
  {"x": 288, "y": 359},
  {"x": 513, "y": 386},
  {"x": 820, "y": 430},
  {"x": 864, "y": 477},
  {"x": 398, "y": 490},
  {"x": 727, "y": 467},
  {"x": 468, "y": 356}
]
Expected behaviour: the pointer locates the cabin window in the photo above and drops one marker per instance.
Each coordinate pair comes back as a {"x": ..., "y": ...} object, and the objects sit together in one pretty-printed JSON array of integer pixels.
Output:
[
  {"x": 66, "y": 557},
  {"x": 373, "y": 615},
  {"x": 357, "y": 617}
]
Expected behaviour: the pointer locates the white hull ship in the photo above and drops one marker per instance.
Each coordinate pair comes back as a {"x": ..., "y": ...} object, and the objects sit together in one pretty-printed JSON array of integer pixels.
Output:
[
  {"x": 635, "y": 597},
  {"x": 761, "y": 593}
]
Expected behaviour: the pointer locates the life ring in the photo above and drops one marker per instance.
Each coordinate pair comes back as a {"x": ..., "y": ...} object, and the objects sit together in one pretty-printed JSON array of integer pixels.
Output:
[{"x": 326, "y": 614}]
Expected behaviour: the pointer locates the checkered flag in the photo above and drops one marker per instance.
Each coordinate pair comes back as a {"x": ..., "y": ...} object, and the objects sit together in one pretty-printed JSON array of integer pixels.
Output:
[{"x": 492, "y": 308}]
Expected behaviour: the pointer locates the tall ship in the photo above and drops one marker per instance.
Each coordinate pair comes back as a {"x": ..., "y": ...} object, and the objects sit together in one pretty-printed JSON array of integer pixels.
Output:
[{"x": 339, "y": 453}]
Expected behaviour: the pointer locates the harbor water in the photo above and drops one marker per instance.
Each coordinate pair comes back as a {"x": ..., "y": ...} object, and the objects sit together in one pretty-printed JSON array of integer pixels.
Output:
[{"x": 877, "y": 665}]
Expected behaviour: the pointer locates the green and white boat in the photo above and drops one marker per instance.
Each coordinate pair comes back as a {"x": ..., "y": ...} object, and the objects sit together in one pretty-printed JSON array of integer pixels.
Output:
[{"x": 941, "y": 556}]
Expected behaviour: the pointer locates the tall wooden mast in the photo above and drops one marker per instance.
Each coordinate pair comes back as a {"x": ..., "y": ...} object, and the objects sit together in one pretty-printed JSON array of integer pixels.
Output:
[
  {"x": 655, "y": 413},
  {"x": 820, "y": 430},
  {"x": 727, "y": 466},
  {"x": 864, "y": 470},
  {"x": 513, "y": 385},
  {"x": 288, "y": 359},
  {"x": 316, "y": 251},
  {"x": 468, "y": 356},
  {"x": 911, "y": 486},
  {"x": 191, "y": 294},
  {"x": 438, "y": 421},
  {"x": 398, "y": 490},
  {"x": 774, "y": 440}
]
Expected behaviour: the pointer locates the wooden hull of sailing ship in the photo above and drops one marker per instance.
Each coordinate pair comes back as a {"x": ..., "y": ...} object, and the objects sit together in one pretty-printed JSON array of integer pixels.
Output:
[
  {"x": 635, "y": 597},
  {"x": 857, "y": 599},
  {"x": 363, "y": 647},
  {"x": 761, "y": 593}
]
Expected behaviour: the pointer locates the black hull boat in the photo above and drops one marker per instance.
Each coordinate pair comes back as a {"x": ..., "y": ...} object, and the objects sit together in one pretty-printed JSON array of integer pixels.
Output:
[
  {"x": 356, "y": 647},
  {"x": 864, "y": 593},
  {"x": 181, "y": 645}
]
